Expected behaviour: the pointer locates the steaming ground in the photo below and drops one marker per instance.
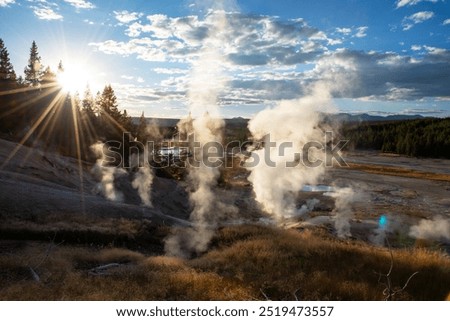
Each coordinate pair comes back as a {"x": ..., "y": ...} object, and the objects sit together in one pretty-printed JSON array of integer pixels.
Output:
[{"x": 37, "y": 184}]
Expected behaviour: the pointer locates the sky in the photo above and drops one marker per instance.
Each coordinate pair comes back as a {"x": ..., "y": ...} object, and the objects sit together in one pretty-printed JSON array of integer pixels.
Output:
[{"x": 379, "y": 57}]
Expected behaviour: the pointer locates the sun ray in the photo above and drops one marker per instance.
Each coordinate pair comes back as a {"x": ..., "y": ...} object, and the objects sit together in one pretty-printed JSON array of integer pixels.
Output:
[
  {"x": 51, "y": 119},
  {"x": 29, "y": 102},
  {"x": 78, "y": 150},
  {"x": 114, "y": 122},
  {"x": 32, "y": 129},
  {"x": 26, "y": 89}
]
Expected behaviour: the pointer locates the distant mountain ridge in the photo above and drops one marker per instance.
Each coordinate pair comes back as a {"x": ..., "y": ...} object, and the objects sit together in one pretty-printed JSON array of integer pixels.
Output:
[
  {"x": 341, "y": 117},
  {"x": 344, "y": 117}
]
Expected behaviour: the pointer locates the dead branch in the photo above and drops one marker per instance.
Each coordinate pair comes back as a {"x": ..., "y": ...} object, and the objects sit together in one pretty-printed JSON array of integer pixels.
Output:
[
  {"x": 48, "y": 251},
  {"x": 103, "y": 269},
  {"x": 34, "y": 275},
  {"x": 389, "y": 292},
  {"x": 50, "y": 248},
  {"x": 267, "y": 298}
]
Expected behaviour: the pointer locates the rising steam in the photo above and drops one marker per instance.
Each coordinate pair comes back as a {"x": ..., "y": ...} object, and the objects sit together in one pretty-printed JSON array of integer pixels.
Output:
[
  {"x": 106, "y": 175},
  {"x": 344, "y": 197},
  {"x": 205, "y": 84},
  {"x": 296, "y": 123},
  {"x": 142, "y": 182},
  {"x": 435, "y": 229}
]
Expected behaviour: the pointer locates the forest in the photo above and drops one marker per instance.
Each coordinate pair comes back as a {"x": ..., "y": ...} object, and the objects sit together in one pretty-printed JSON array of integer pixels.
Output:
[
  {"x": 427, "y": 137},
  {"x": 34, "y": 109}
]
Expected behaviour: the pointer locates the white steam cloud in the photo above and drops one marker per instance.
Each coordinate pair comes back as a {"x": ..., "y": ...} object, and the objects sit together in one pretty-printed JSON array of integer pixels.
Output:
[
  {"x": 435, "y": 229},
  {"x": 106, "y": 175},
  {"x": 309, "y": 206},
  {"x": 285, "y": 130},
  {"x": 205, "y": 85},
  {"x": 142, "y": 182},
  {"x": 344, "y": 197}
]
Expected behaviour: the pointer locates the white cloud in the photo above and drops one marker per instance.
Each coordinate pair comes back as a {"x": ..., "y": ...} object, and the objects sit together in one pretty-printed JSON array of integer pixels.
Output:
[
  {"x": 126, "y": 17},
  {"x": 391, "y": 77},
  {"x": 353, "y": 32},
  {"x": 345, "y": 31},
  {"x": 127, "y": 77},
  {"x": 418, "y": 17},
  {"x": 80, "y": 4},
  {"x": 250, "y": 40},
  {"x": 4, "y": 3},
  {"x": 402, "y": 3},
  {"x": 170, "y": 71},
  {"x": 435, "y": 51},
  {"x": 138, "y": 79},
  {"x": 45, "y": 13},
  {"x": 421, "y": 16},
  {"x": 446, "y": 22},
  {"x": 264, "y": 55},
  {"x": 361, "y": 32}
]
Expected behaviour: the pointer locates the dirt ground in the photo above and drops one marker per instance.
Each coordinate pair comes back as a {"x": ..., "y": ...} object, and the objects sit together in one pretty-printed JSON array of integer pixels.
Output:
[
  {"x": 58, "y": 233},
  {"x": 36, "y": 183}
]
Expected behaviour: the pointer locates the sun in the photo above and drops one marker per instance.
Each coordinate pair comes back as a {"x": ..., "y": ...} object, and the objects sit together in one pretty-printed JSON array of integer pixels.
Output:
[{"x": 74, "y": 78}]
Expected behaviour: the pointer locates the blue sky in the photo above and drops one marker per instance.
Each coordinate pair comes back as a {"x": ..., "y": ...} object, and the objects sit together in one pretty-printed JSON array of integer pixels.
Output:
[{"x": 382, "y": 57}]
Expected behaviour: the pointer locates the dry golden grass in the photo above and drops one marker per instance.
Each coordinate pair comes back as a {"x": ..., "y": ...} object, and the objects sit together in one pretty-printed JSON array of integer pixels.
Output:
[
  {"x": 282, "y": 262},
  {"x": 244, "y": 261},
  {"x": 398, "y": 171}
]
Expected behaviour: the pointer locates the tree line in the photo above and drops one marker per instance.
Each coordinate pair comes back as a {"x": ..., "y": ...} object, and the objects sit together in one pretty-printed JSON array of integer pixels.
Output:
[
  {"x": 35, "y": 110},
  {"x": 426, "y": 137}
]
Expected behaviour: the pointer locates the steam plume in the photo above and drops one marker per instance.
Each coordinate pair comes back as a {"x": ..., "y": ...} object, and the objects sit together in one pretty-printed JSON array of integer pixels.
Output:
[
  {"x": 143, "y": 180},
  {"x": 308, "y": 207},
  {"x": 106, "y": 175},
  {"x": 205, "y": 85},
  {"x": 435, "y": 229},
  {"x": 296, "y": 123},
  {"x": 344, "y": 197}
]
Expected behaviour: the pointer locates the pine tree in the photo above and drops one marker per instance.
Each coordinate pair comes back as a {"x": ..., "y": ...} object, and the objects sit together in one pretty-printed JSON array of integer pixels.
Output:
[
  {"x": 60, "y": 67},
  {"x": 48, "y": 76},
  {"x": 7, "y": 73},
  {"x": 20, "y": 81},
  {"x": 126, "y": 122},
  {"x": 76, "y": 101},
  {"x": 108, "y": 104},
  {"x": 88, "y": 103},
  {"x": 33, "y": 71},
  {"x": 142, "y": 128},
  {"x": 97, "y": 101}
]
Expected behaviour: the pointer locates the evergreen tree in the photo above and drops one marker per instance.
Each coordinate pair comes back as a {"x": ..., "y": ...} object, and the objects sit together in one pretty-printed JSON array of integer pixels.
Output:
[
  {"x": 88, "y": 104},
  {"x": 60, "y": 67},
  {"x": 76, "y": 102},
  {"x": 141, "y": 131},
  {"x": 48, "y": 76},
  {"x": 7, "y": 73},
  {"x": 20, "y": 81},
  {"x": 33, "y": 71},
  {"x": 108, "y": 104},
  {"x": 126, "y": 122},
  {"x": 89, "y": 121},
  {"x": 97, "y": 100}
]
